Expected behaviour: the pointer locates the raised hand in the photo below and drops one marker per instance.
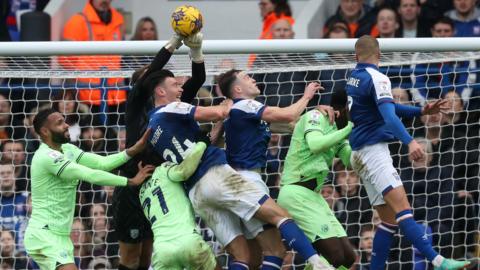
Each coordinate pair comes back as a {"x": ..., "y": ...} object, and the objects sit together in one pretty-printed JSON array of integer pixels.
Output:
[
  {"x": 311, "y": 89},
  {"x": 140, "y": 145},
  {"x": 174, "y": 43},
  {"x": 194, "y": 42},
  {"x": 143, "y": 173},
  {"x": 435, "y": 107}
]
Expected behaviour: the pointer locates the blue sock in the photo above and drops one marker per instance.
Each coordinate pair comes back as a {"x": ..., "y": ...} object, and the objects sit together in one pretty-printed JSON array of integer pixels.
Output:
[
  {"x": 296, "y": 239},
  {"x": 272, "y": 263},
  {"x": 381, "y": 245},
  {"x": 236, "y": 265},
  {"x": 415, "y": 234}
]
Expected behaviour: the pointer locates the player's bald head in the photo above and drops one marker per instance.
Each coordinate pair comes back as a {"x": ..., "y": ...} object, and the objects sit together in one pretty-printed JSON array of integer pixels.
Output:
[{"x": 367, "y": 48}]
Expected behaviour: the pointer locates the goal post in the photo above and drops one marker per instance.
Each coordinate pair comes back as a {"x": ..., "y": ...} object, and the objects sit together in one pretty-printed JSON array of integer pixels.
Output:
[{"x": 444, "y": 191}]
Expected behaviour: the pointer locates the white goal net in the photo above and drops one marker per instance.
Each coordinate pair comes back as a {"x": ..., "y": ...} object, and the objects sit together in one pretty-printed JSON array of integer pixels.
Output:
[{"x": 443, "y": 189}]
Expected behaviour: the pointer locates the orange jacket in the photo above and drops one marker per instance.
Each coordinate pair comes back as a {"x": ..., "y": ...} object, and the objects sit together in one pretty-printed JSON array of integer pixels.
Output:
[
  {"x": 270, "y": 20},
  {"x": 87, "y": 26}
]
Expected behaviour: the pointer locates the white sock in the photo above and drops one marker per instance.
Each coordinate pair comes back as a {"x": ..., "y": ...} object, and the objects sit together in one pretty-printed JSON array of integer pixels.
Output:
[{"x": 438, "y": 261}]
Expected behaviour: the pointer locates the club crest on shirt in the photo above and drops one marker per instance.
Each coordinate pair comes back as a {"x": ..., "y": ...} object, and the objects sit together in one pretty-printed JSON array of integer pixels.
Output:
[
  {"x": 56, "y": 156},
  {"x": 315, "y": 117},
  {"x": 134, "y": 233}
]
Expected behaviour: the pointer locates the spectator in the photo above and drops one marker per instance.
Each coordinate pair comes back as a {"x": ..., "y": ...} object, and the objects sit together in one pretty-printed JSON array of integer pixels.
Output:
[
  {"x": 82, "y": 244},
  {"x": 97, "y": 22},
  {"x": 337, "y": 29},
  {"x": 360, "y": 18},
  {"x": 335, "y": 78},
  {"x": 367, "y": 232},
  {"x": 430, "y": 188},
  {"x": 387, "y": 23},
  {"x": 411, "y": 24},
  {"x": 97, "y": 139},
  {"x": 355, "y": 208},
  {"x": 13, "y": 204},
  {"x": 466, "y": 17},
  {"x": 103, "y": 238},
  {"x": 330, "y": 194},
  {"x": 14, "y": 152},
  {"x": 271, "y": 11},
  {"x": 432, "y": 10},
  {"x": 10, "y": 128},
  {"x": 436, "y": 79},
  {"x": 401, "y": 96},
  {"x": 21, "y": 226},
  {"x": 146, "y": 29},
  {"x": 75, "y": 114},
  {"x": 8, "y": 252}
]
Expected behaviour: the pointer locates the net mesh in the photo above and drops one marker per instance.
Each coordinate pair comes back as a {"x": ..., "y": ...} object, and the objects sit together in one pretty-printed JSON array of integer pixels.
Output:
[{"x": 443, "y": 189}]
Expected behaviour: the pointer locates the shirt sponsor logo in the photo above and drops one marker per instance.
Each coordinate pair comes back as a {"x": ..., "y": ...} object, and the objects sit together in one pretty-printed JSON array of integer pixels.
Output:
[
  {"x": 156, "y": 135},
  {"x": 383, "y": 90}
]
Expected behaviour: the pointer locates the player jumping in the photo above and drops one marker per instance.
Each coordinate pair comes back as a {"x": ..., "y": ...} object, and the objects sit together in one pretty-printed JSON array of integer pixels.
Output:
[
  {"x": 374, "y": 115},
  {"x": 131, "y": 227},
  {"x": 247, "y": 135},
  {"x": 315, "y": 142},
  {"x": 57, "y": 167},
  {"x": 217, "y": 192}
]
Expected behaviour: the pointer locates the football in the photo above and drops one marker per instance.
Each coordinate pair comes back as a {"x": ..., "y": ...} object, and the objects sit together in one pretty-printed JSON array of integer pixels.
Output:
[{"x": 186, "y": 20}]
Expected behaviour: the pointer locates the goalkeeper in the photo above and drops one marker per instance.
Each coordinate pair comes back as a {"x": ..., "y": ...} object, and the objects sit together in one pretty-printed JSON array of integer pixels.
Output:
[
  {"x": 177, "y": 244},
  {"x": 131, "y": 227},
  {"x": 57, "y": 167},
  {"x": 315, "y": 142}
]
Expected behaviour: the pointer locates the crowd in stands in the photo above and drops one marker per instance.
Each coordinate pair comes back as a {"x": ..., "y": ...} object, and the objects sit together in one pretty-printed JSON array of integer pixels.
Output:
[{"x": 443, "y": 188}]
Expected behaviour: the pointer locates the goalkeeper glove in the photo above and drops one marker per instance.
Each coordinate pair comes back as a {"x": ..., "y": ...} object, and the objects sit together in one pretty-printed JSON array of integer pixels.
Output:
[
  {"x": 175, "y": 42},
  {"x": 195, "y": 44}
]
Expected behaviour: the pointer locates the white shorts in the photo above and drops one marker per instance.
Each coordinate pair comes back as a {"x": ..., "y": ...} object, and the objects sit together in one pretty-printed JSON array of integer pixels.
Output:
[
  {"x": 224, "y": 199},
  {"x": 254, "y": 226},
  {"x": 374, "y": 165}
]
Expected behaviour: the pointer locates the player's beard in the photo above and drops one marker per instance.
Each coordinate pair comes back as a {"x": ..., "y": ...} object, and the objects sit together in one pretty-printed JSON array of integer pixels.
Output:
[{"x": 59, "y": 137}]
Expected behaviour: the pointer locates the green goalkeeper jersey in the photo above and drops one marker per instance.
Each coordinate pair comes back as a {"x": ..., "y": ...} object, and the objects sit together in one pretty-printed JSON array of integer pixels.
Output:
[
  {"x": 164, "y": 200},
  {"x": 301, "y": 163},
  {"x": 55, "y": 176}
]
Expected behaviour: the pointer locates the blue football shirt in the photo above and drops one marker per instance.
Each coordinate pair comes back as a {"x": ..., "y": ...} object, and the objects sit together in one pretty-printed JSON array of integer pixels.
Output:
[
  {"x": 246, "y": 135},
  {"x": 366, "y": 89},
  {"x": 174, "y": 130}
]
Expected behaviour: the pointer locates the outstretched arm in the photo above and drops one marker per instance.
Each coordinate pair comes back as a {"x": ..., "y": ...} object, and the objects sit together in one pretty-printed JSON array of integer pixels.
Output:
[
  {"x": 318, "y": 142},
  {"x": 292, "y": 112},
  {"x": 213, "y": 113},
  {"x": 110, "y": 162},
  {"x": 393, "y": 123},
  {"x": 193, "y": 84},
  {"x": 407, "y": 111},
  {"x": 189, "y": 165}
]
